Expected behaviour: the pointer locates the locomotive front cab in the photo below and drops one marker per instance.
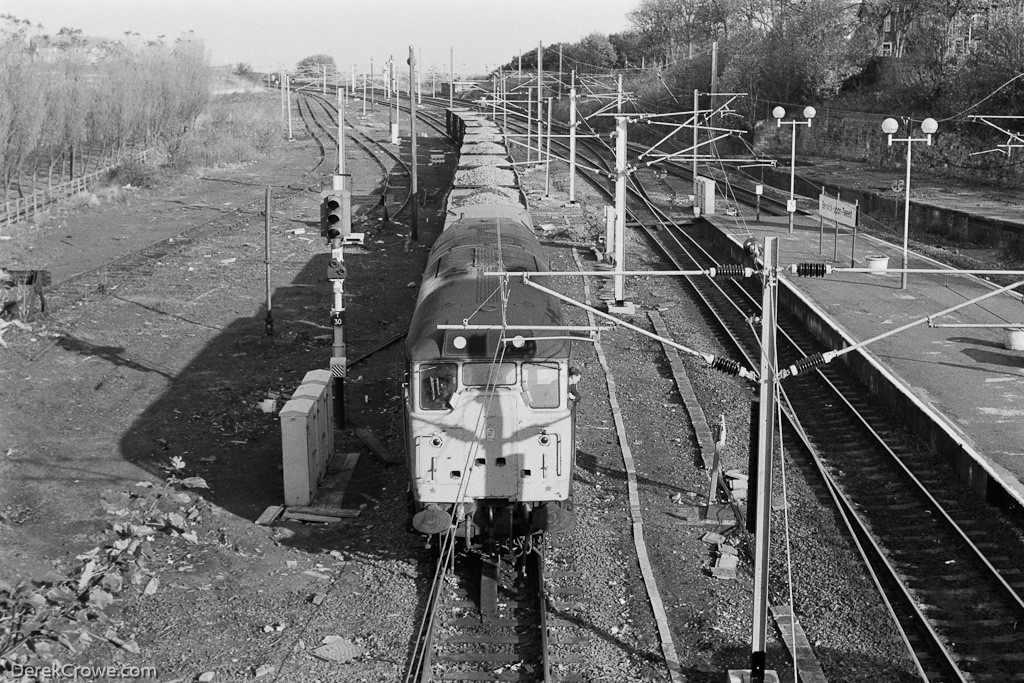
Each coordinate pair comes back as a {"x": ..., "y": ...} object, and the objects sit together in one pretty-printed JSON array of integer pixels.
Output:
[{"x": 488, "y": 435}]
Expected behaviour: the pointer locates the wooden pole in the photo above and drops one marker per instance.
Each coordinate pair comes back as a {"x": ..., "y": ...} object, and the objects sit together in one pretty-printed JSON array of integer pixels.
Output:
[{"x": 266, "y": 260}]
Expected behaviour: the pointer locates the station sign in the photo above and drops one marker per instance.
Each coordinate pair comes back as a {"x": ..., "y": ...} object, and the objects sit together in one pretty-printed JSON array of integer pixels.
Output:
[{"x": 839, "y": 211}]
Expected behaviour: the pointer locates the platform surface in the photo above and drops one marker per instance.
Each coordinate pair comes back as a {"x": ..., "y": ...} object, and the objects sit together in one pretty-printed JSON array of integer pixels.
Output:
[{"x": 966, "y": 375}]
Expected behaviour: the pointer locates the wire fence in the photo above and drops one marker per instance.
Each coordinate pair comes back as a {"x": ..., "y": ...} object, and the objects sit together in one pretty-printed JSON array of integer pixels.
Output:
[{"x": 22, "y": 208}]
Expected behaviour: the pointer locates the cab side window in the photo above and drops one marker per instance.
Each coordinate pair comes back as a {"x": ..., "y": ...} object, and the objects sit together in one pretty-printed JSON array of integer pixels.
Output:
[
  {"x": 540, "y": 385},
  {"x": 437, "y": 384}
]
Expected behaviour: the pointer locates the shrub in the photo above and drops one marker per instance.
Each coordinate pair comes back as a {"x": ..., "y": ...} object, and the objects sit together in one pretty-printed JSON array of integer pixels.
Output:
[{"x": 238, "y": 128}]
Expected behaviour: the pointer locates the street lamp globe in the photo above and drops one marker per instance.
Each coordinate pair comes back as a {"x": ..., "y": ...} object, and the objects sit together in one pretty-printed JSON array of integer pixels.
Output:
[
  {"x": 890, "y": 126},
  {"x": 809, "y": 112},
  {"x": 929, "y": 126},
  {"x": 778, "y": 112}
]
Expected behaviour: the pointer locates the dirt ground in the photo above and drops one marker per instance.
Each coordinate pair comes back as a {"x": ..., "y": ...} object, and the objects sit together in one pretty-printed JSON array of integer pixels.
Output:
[
  {"x": 161, "y": 378},
  {"x": 173, "y": 363}
]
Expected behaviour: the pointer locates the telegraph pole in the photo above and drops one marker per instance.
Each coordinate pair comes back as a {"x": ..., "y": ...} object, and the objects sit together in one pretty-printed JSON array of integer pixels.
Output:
[
  {"x": 371, "y": 84},
  {"x": 412, "y": 142},
  {"x": 451, "y": 76}
]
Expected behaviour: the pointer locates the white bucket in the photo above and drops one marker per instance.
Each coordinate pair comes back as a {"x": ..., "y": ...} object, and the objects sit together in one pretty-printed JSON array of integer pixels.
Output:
[
  {"x": 1013, "y": 338},
  {"x": 877, "y": 262}
]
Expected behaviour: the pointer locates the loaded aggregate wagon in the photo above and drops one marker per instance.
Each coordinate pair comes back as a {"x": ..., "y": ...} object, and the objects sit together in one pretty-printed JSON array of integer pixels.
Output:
[{"x": 489, "y": 425}]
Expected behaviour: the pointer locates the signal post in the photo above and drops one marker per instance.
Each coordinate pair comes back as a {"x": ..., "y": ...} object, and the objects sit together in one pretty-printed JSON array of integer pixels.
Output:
[{"x": 336, "y": 226}]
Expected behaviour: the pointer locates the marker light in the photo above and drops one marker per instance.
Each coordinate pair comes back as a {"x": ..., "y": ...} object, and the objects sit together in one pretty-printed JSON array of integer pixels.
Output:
[
  {"x": 518, "y": 341},
  {"x": 459, "y": 342}
]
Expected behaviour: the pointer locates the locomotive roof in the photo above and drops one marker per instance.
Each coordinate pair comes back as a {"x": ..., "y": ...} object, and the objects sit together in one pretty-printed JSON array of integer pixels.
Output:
[{"x": 455, "y": 288}]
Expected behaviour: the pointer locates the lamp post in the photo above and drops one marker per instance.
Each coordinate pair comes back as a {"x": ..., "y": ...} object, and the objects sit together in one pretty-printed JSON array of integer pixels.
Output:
[
  {"x": 779, "y": 113},
  {"x": 890, "y": 126}
]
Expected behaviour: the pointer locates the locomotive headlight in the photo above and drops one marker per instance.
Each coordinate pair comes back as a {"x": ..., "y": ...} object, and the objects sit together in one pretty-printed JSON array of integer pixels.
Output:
[
  {"x": 518, "y": 341},
  {"x": 459, "y": 342},
  {"x": 436, "y": 442}
]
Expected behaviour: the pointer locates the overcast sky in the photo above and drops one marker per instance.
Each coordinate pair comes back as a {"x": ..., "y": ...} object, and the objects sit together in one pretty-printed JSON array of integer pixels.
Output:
[{"x": 270, "y": 33}]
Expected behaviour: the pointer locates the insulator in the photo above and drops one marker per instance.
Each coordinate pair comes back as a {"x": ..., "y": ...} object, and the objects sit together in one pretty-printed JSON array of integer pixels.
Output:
[
  {"x": 805, "y": 364},
  {"x": 812, "y": 269},
  {"x": 729, "y": 270},
  {"x": 725, "y": 365}
]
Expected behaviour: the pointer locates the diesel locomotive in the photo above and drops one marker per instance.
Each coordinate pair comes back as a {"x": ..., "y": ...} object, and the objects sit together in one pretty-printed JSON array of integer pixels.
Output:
[{"x": 489, "y": 414}]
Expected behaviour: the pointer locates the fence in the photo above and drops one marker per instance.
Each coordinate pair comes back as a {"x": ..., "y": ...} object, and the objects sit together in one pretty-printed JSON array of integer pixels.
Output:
[{"x": 21, "y": 208}]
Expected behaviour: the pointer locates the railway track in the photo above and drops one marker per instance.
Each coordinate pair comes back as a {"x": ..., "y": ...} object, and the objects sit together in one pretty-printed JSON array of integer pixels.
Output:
[
  {"x": 500, "y": 616},
  {"x": 950, "y": 573},
  {"x": 953, "y": 587},
  {"x": 93, "y": 286}
]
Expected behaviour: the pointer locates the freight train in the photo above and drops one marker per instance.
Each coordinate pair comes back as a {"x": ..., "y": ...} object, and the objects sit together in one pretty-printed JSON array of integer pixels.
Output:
[{"x": 489, "y": 412}]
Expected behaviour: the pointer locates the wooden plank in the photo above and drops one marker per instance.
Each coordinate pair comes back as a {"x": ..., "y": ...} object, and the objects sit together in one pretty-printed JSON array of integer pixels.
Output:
[
  {"x": 376, "y": 447},
  {"x": 270, "y": 515},
  {"x": 322, "y": 511},
  {"x": 331, "y": 493},
  {"x": 304, "y": 517}
]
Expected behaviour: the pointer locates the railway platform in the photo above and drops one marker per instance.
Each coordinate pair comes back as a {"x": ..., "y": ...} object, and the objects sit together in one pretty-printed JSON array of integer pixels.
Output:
[{"x": 962, "y": 388}]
